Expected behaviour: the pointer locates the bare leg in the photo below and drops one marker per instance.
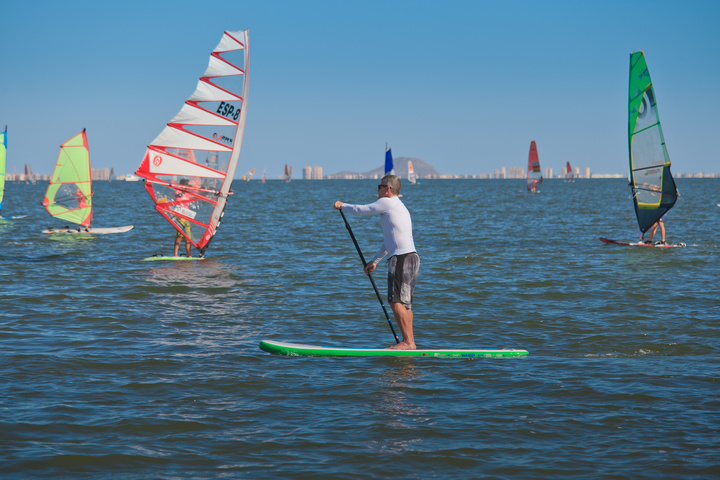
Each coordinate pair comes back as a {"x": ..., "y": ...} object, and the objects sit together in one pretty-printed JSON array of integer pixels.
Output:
[
  {"x": 662, "y": 230},
  {"x": 652, "y": 232},
  {"x": 404, "y": 318},
  {"x": 187, "y": 248},
  {"x": 177, "y": 246}
]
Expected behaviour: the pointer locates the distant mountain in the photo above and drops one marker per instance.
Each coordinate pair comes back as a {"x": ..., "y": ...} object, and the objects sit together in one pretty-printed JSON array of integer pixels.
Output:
[{"x": 422, "y": 170}]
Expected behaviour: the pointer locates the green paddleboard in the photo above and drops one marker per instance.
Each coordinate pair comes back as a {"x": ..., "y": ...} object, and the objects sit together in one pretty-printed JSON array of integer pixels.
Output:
[{"x": 300, "y": 350}]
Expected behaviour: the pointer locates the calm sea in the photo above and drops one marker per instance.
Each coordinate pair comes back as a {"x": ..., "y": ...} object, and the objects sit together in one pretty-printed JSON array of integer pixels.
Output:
[{"x": 112, "y": 367}]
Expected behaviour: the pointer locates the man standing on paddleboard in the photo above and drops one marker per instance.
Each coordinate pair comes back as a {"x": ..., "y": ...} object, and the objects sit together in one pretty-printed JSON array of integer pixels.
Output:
[{"x": 404, "y": 262}]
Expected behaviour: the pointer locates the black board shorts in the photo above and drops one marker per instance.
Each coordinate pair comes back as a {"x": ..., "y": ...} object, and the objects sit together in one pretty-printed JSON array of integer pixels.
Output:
[{"x": 402, "y": 274}]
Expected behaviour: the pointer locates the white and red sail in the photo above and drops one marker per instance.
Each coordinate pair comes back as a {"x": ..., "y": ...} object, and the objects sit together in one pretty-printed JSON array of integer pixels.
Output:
[{"x": 189, "y": 168}]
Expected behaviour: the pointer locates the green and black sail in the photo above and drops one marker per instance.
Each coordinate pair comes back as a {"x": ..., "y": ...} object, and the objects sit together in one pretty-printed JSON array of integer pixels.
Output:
[{"x": 653, "y": 188}]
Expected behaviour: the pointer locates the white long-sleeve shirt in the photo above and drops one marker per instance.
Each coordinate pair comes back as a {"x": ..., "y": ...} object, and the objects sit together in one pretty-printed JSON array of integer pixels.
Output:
[{"x": 395, "y": 222}]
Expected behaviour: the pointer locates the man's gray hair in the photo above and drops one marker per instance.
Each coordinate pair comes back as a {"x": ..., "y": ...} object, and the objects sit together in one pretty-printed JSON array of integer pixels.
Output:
[{"x": 393, "y": 181}]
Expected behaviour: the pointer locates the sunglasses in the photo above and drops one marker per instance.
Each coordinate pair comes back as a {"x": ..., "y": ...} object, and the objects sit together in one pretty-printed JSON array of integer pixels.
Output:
[{"x": 381, "y": 186}]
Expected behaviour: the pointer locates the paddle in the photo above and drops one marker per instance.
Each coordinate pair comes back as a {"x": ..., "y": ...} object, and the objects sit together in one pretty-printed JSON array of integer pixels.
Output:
[{"x": 347, "y": 225}]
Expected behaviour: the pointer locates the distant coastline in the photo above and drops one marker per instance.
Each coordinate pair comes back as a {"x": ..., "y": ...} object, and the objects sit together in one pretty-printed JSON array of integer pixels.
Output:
[
  {"x": 596, "y": 176},
  {"x": 10, "y": 178},
  {"x": 423, "y": 170}
]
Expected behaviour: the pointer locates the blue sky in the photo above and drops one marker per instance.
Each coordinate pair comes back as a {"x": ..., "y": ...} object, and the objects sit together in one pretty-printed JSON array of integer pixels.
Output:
[{"x": 464, "y": 85}]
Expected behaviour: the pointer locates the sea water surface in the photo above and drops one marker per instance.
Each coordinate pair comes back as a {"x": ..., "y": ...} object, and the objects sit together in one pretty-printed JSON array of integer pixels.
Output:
[{"x": 111, "y": 367}]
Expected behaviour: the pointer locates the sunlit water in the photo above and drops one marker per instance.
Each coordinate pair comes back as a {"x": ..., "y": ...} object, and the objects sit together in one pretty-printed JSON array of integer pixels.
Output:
[{"x": 112, "y": 367}]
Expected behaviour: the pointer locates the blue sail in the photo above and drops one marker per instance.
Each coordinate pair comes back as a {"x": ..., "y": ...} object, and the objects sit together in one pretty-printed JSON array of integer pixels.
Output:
[{"x": 389, "y": 170}]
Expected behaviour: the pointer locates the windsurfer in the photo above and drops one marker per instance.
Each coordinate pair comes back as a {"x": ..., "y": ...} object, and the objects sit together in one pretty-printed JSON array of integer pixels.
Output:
[
  {"x": 179, "y": 194},
  {"x": 80, "y": 196},
  {"x": 404, "y": 262}
]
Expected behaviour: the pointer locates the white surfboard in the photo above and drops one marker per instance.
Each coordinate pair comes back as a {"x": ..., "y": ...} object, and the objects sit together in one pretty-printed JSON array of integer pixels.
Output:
[
  {"x": 91, "y": 230},
  {"x": 160, "y": 258}
]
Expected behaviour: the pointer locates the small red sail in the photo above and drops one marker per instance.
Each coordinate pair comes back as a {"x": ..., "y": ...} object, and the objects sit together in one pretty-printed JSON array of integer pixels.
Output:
[
  {"x": 288, "y": 173},
  {"x": 534, "y": 176}
]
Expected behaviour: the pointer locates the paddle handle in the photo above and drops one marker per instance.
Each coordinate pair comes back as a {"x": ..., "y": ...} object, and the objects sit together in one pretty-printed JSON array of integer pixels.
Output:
[{"x": 372, "y": 280}]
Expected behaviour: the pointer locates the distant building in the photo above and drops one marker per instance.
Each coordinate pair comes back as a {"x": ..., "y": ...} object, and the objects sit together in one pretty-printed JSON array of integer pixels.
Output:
[
  {"x": 100, "y": 173},
  {"x": 503, "y": 174},
  {"x": 586, "y": 172},
  {"x": 548, "y": 172},
  {"x": 516, "y": 172},
  {"x": 316, "y": 173}
]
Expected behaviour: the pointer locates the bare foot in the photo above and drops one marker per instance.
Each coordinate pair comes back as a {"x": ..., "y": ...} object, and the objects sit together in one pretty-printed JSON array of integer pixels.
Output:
[{"x": 402, "y": 346}]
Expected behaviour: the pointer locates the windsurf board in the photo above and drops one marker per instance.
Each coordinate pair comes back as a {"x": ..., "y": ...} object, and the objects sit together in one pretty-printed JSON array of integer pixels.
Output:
[
  {"x": 158, "y": 258},
  {"x": 90, "y": 230},
  {"x": 638, "y": 244}
]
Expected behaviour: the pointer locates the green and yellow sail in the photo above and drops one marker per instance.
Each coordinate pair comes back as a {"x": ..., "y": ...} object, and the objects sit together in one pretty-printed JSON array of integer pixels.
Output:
[
  {"x": 69, "y": 193},
  {"x": 3, "y": 156},
  {"x": 654, "y": 190}
]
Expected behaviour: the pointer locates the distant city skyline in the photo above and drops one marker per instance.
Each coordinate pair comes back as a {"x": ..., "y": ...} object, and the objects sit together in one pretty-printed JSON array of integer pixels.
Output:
[{"x": 316, "y": 173}]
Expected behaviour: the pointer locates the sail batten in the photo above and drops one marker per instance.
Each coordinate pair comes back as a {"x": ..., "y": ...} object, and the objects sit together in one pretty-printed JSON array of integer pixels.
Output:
[
  {"x": 218, "y": 67},
  {"x": 644, "y": 129},
  {"x": 180, "y": 138},
  {"x": 189, "y": 167},
  {"x": 206, "y": 91},
  {"x": 191, "y": 114},
  {"x": 653, "y": 189}
]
